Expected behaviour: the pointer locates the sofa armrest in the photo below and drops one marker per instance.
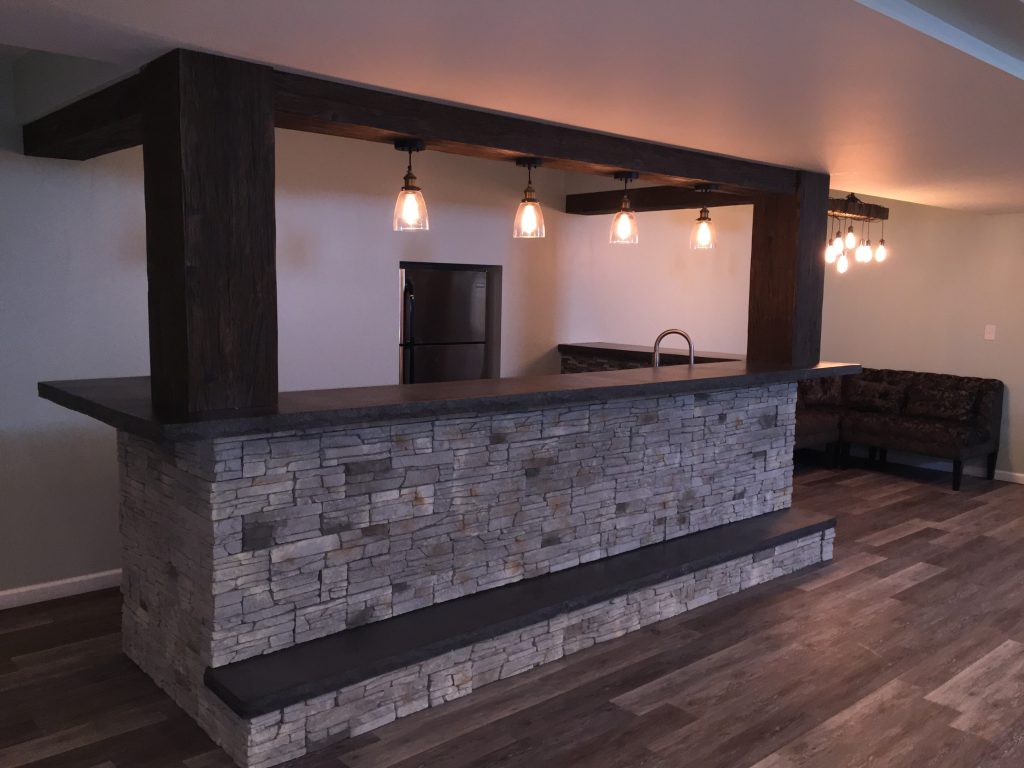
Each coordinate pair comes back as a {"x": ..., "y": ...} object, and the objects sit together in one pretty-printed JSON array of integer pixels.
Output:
[{"x": 990, "y": 409}]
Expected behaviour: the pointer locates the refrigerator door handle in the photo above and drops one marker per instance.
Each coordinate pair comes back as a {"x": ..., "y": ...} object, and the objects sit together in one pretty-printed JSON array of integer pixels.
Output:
[{"x": 407, "y": 357}]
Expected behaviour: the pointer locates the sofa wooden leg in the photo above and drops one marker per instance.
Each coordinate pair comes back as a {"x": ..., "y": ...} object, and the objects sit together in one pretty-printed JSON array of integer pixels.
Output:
[
  {"x": 844, "y": 455},
  {"x": 990, "y": 469},
  {"x": 958, "y": 473},
  {"x": 835, "y": 454}
]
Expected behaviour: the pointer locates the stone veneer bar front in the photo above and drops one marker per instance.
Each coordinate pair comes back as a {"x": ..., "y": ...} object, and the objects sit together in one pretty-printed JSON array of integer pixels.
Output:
[{"x": 240, "y": 543}]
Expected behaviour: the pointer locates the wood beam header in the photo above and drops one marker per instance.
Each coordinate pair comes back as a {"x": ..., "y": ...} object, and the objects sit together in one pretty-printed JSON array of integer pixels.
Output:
[
  {"x": 664, "y": 198},
  {"x": 98, "y": 124},
  {"x": 111, "y": 119}
]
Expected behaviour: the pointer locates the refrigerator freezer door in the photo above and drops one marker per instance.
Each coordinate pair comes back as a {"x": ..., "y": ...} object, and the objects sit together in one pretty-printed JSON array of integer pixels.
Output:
[{"x": 447, "y": 305}]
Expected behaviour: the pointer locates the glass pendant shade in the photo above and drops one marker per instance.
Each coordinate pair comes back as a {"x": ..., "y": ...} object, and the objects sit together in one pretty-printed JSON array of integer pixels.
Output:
[
  {"x": 529, "y": 220},
  {"x": 842, "y": 264},
  {"x": 863, "y": 253},
  {"x": 624, "y": 228},
  {"x": 702, "y": 236},
  {"x": 410, "y": 211},
  {"x": 880, "y": 252},
  {"x": 851, "y": 239},
  {"x": 410, "y": 207}
]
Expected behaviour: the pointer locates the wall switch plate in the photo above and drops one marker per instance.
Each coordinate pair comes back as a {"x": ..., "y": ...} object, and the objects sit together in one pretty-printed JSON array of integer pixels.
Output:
[{"x": 990, "y": 333}]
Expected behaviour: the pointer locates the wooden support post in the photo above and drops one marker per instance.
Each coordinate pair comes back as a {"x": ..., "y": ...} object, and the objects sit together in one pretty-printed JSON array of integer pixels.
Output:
[
  {"x": 787, "y": 274},
  {"x": 208, "y": 148}
]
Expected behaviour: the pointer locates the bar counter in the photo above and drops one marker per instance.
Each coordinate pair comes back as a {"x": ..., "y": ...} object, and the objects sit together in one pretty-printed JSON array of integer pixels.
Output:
[{"x": 125, "y": 403}]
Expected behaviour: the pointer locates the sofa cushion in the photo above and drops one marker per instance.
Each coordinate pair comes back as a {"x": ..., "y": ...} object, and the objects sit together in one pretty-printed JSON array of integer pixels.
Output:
[
  {"x": 947, "y": 403},
  {"x": 927, "y": 436},
  {"x": 873, "y": 396},
  {"x": 887, "y": 376},
  {"x": 824, "y": 391}
]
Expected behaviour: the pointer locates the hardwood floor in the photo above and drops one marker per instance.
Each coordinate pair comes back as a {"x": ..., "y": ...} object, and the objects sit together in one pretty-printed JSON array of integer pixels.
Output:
[{"x": 906, "y": 652}]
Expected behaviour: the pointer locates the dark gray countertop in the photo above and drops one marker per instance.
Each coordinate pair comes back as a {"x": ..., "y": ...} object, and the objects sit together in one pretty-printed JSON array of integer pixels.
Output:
[
  {"x": 669, "y": 355},
  {"x": 125, "y": 402}
]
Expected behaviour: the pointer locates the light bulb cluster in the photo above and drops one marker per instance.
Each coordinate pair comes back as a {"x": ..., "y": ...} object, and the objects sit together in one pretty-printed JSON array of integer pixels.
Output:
[{"x": 840, "y": 247}]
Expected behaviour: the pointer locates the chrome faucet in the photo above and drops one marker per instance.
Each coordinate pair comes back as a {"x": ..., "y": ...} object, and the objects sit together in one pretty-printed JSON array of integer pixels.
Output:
[{"x": 656, "y": 357}]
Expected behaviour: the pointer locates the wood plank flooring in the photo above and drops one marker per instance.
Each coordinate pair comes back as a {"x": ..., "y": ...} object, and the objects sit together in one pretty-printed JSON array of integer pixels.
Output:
[{"x": 906, "y": 652}]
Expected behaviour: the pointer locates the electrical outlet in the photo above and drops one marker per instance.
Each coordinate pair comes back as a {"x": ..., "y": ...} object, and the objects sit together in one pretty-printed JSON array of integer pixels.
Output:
[{"x": 990, "y": 333}]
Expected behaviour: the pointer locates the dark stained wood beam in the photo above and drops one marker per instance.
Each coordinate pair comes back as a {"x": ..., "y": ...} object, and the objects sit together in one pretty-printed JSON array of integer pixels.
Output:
[
  {"x": 787, "y": 274},
  {"x": 104, "y": 122},
  {"x": 664, "y": 198},
  {"x": 856, "y": 209},
  {"x": 210, "y": 234},
  {"x": 112, "y": 119},
  {"x": 306, "y": 103}
]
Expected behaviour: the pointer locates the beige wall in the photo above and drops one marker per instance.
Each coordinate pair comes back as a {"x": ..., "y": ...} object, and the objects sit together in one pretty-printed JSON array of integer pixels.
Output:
[
  {"x": 948, "y": 275},
  {"x": 629, "y": 294}
]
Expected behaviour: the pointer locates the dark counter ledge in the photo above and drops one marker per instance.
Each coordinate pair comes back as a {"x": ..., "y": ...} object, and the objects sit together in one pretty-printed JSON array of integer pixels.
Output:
[
  {"x": 125, "y": 403},
  {"x": 640, "y": 353},
  {"x": 262, "y": 684}
]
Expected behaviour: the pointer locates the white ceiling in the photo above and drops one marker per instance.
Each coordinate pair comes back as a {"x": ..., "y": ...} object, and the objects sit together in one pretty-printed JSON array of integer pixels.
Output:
[{"x": 820, "y": 84}]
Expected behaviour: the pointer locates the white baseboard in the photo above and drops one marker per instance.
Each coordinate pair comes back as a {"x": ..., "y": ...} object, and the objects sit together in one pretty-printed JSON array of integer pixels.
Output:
[
  {"x": 1001, "y": 474},
  {"x": 51, "y": 590}
]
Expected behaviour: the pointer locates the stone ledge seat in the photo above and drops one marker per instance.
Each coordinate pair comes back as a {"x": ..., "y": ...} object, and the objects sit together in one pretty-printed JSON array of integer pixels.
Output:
[{"x": 273, "y": 681}]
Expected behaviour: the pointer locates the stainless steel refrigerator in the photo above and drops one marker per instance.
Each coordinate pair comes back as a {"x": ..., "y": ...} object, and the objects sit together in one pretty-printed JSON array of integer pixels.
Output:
[{"x": 450, "y": 322}]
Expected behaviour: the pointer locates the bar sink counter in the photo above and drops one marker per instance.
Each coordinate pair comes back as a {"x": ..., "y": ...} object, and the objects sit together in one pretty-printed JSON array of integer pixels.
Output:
[{"x": 295, "y": 576}]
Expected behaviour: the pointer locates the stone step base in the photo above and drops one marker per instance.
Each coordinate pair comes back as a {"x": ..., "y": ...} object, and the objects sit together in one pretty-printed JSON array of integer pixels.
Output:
[{"x": 295, "y": 730}]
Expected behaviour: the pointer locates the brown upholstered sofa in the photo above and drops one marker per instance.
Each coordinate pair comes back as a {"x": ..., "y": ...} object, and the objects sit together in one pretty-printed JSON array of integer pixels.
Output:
[{"x": 934, "y": 414}]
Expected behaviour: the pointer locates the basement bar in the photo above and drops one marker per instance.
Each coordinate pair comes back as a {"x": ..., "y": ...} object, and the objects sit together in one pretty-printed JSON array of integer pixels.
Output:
[{"x": 300, "y": 567}]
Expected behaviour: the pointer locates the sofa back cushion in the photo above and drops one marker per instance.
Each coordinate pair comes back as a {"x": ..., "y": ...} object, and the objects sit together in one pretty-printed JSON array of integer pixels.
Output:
[
  {"x": 824, "y": 391},
  {"x": 862, "y": 394},
  {"x": 940, "y": 396},
  {"x": 944, "y": 404}
]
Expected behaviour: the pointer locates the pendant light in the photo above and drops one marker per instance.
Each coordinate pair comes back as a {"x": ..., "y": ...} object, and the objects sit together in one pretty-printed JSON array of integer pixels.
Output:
[
  {"x": 837, "y": 243},
  {"x": 881, "y": 252},
  {"x": 410, "y": 208},
  {"x": 851, "y": 239},
  {"x": 863, "y": 253},
  {"x": 831, "y": 252},
  {"x": 624, "y": 229},
  {"x": 702, "y": 235},
  {"x": 529, "y": 220},
  {"x": 842, "y": 263}
]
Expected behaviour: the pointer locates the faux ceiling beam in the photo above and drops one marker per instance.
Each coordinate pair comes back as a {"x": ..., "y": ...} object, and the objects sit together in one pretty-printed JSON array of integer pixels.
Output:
[
  {"x": 311, "y": 104},
  {"x": 111, "y": 119},
  {"x": 664, "y": 198},
  {"x": 98, "y": 124}
]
